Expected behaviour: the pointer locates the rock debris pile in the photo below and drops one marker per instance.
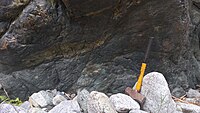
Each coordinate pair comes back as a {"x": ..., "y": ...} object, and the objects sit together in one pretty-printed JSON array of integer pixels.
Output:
[{"x": 154, "y": 88}]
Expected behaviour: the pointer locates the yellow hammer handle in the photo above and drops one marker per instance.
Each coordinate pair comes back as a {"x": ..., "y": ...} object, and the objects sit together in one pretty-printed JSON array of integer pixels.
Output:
[{"x": 139, "y": 82}]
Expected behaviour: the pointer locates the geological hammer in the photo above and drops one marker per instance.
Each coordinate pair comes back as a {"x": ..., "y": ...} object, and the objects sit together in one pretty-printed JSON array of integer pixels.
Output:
[{"x": 135, "y": 91}]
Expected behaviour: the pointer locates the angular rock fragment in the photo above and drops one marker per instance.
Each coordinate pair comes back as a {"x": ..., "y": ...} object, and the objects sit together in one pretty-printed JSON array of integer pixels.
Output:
[
  {"x": 42, "y": 99},
  {"x": 58, "y": 98},
  {"x": 67, "y": 106},
  {"x": 26, "y": 105},
  {"x": 193, "y": 93}
]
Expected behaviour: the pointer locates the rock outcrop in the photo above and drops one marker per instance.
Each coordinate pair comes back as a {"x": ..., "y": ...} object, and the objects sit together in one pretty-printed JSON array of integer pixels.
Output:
[
  {"x": 97, "y": 45},
  {"x": 157, "y": 101}
]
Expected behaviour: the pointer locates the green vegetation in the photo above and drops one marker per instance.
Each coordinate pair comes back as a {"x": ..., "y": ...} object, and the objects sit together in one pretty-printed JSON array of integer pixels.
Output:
[{"x": 15, "y": 102}]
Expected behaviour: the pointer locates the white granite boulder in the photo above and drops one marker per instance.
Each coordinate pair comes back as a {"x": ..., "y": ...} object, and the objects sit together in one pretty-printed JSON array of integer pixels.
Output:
[
  {"x": 158, "y": 97},
  {"x": 42, "y": 99},
  {"x": 124, "y": 103},
  {"x": 99, "y": 103}
]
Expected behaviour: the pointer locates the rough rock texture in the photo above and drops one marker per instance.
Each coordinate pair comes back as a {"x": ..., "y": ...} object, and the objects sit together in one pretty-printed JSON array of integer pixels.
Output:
[
  {"x": 82, "y": 98},
  {"x": 157, "y": 93},
  {"x": 58, "y": 98},
  {"x": 26, "y": 105},
  {"x": 123, "y": 103},
  {"x": 99, "y": 103},
  {"x": 7, "y": 108},
  {"x": 96, "y": 44},
  {"x": 193, "y": 93},
  {"x": 42, "y": 99},
  {"x": 189, "y": 108},
  {"x": 68, "y": 106}
]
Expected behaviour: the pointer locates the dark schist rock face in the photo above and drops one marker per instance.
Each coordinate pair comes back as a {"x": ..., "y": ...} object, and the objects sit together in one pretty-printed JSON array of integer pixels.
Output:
[{"x": 97, "y": 45}]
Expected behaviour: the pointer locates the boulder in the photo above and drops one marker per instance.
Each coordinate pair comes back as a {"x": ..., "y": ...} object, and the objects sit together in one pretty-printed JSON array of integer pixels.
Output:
[
  {"x": 26, "y": 105},
  {"x": 67, "y": 106},
  {"x": 99, "y": 103},
  {"x": 124, "y": 103},
  {"x": 58, "y": 98},
  {"x": 158, "y": 97},
  {"x": 41, "y": 99},
  {"x": 82, "y": 98},
  {"x": 193, "y": 93},
  {"x": 7, "y": 108}
]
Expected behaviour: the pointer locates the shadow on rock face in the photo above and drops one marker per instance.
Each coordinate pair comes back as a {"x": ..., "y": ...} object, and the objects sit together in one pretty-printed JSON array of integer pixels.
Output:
[{"x": 95, "y": 44}]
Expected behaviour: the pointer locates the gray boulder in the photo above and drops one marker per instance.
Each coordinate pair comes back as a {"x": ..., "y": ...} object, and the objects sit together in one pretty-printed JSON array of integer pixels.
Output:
[
  {"x": 7, "y": 108},
  {"x": 158, "y": 97},
  {"x": 26, "y": 105},
  {"x": 99, "y": 103},
  {"x": 193, "y": 93},
  {"x": 82, "y": 98},
  {"x": 67, "y": 106},
  {"x": 58, "y": 98},
  {"x": 42, "y": 99},
  {"x": 124, "y": 103}
]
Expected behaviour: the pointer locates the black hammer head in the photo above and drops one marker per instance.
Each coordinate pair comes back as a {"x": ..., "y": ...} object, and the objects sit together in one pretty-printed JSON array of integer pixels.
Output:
[{"x": 135, "y": 95}]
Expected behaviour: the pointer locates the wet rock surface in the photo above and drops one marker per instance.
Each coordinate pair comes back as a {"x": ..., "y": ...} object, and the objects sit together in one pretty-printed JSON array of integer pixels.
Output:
[{"x": 96, "y": 44}]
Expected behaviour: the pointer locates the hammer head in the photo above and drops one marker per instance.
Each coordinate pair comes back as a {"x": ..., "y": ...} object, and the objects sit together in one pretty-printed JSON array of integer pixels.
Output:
[{"x": 135, "y": 95}]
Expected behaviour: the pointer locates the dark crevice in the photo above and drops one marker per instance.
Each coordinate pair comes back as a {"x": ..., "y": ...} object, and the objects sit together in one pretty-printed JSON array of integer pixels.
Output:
[{"x": 196, "y": 4}]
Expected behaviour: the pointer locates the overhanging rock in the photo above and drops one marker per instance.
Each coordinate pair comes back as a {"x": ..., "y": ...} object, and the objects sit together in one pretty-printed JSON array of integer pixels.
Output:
[{"x": 97, "y": 45}]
